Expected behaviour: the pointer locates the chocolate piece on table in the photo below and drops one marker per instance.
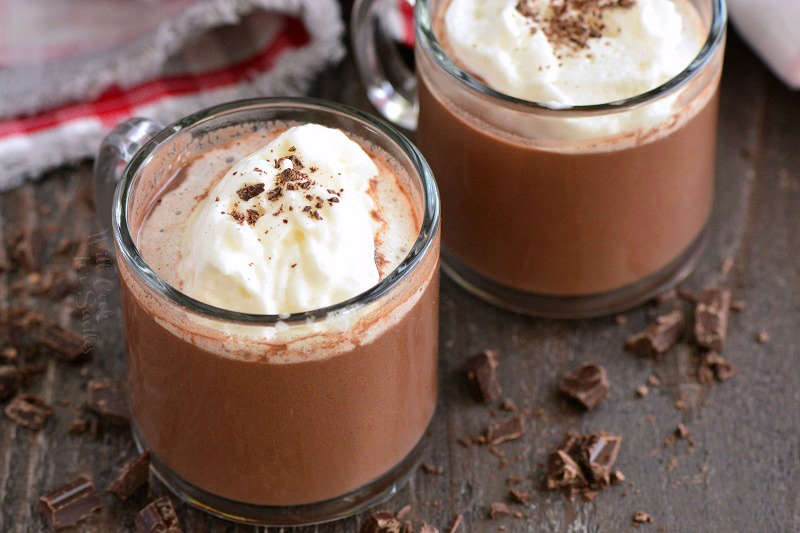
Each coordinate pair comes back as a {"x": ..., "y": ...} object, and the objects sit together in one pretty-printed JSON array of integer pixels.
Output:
[
  {"x": 587, "y": 385},
  {"x": 507, "y": 429},
  {"x": 617, "y": 477},
  {"x": 381, "y": 522},
  {"x": 498, "y": 509},
  {"x": 432, "y": 469},
  {"x": 65, "y": 344},
  {"x": 521, "y": 496},
  {"x": 71, "y": 504},
  {"x": 711, "y": 318},
  {"x": 682, "y": 431},
  {"x": 482, "y": 374},
  {"x": 659, "y": 336},
  {"x": 10, "y": 380},
  {"x": 714, "y": 366},
  {"x": 133, "y": 475},
  {"x": 640, "y": 517},
  {"x": 583, "y": 463},
  {"x": 29, "y": 411},
  {"x": 158, "y": 517},
  {"x": 642, "y": 391},
  {"x": 108, "y": 399}
]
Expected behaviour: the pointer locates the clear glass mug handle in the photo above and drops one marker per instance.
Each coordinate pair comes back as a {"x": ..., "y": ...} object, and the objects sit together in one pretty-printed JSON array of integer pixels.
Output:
[
  {"x": 115, "y": 152},
  {"x": 391, "y": 86}
]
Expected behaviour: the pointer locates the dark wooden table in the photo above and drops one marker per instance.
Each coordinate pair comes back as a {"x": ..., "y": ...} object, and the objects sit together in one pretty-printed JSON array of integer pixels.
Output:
[{"x": 742, "y": 474}]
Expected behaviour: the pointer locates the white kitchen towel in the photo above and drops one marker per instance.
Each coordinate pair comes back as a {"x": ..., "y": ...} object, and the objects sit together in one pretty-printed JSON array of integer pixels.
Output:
[
  {"x": 62, "y": 90},
  {"x": 772, "y": 27}
]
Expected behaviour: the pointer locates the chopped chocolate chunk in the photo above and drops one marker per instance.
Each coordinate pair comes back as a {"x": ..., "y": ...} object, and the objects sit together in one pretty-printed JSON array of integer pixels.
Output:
[
  {"x": 712, "y": 365},
  {"x": 29, "y": 411},
  {"x": 248, "y": 192},
  {"x": 381, "y": 522},
  {"x": 10, "y": 380},
  {"x": 711, "y": 318},
  {"x": 482, "y": 374},
  {"x": 71, "y": 504},
  {"x": 274, "y": 193},
  {"x": 587, "y": 385},
  {"x": 78, "y": 426},
  {"x": 617, "y": 477},
  {"x": 640, "y": 517},
  {"x": 252, "y": 217},
  {"x": 658, "y": 337},
  {"x": 403, "y": 512},
  {"x": 65, "y": 344},
  {"x": 133, "y": 475},
  {"x": 456, "y": 524},
  {"x": 498, "y": 509},
  {"x": 762, "y": 337},
  {"x": 507, "y": 429},
  {"x": 520, "y": 496},
  {"x": 682, "y": 431},
  {"x": 432, "y": 469},
  {"x": 642, "y": 391},
  {"x": 583, "y": 462},
  {"x": 158, "y": 517},
  {"x": 108, "y": 399}
]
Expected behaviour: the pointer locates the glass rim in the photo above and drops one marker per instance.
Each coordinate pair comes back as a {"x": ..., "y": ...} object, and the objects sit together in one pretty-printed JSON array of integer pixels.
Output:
[
  {"x": 425, "y": 35},
  {"x": 132, "y": 256}
]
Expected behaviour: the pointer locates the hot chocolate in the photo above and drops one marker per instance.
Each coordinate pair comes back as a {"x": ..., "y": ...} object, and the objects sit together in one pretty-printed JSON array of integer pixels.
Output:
[
  {"x": 569, "y": 204},
  {"x": 274, "y": 412}
]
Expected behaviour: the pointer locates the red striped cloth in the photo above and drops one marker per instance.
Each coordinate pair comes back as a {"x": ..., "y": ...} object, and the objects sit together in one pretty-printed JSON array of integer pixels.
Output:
[{"x": 288, "y": 53}]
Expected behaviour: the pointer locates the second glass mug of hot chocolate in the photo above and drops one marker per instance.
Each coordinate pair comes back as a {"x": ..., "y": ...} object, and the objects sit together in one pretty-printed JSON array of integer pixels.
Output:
[
  {"x": 564, "y": 211},
  {"x": 275, "y": 419}
]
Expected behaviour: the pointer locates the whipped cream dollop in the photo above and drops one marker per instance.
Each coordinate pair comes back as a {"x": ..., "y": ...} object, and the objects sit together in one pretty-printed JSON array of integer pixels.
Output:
[
  {"x": 289, "y": 228},
  {"x": 576, "y": 52}
]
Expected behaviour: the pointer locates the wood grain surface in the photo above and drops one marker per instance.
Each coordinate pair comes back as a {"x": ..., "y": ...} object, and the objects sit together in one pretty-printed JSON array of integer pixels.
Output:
[{"x": 742, "y": 474}]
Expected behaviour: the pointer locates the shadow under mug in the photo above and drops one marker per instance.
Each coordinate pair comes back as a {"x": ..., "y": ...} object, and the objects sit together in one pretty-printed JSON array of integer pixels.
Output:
[
  {"x": 276, "y": 420},
  {"x": 544, "y": 214}
]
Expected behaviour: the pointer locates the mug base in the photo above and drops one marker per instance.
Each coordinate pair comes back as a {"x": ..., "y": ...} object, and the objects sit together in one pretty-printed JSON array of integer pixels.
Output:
[
  {"x": 575, "y": 307},
  {"x": 351, "y": 503}
]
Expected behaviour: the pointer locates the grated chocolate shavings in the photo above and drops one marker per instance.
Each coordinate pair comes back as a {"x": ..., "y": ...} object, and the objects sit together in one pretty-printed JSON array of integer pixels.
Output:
[{"x": 250, "y": 191}]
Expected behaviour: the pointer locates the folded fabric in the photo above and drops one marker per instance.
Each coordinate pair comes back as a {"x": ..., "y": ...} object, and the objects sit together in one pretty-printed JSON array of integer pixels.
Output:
[
  {"x": 771, "y": 28},
  {"x": 63, "y": 95}
]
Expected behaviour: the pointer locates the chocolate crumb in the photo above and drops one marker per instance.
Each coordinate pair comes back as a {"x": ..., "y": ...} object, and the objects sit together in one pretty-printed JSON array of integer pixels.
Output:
[
  {"x": 617, "y": 477},
  {"x": 29, "y": 411},
  {"x": 65, "y": 344},
  {"x": 738, "y": 306},
  {"x": 108, "y": 399},
  {"x": 498, "y": 509},
  {"x": 653, "y": 381},
  {"x": 432, "y": 469},
  {"x": 588, "y": 385},
  {"x": 504, "y": 430},
  {"x": 713, "y": 366},
  {"x": 482, "y": 374},
  {"x": 248, "y": 192},
  {"x": 252, "y": 216},
  {"x": 658, "y": 337},
  {"x": 158, "y": 517},
  {"x": 133, "y": 475},
  {"x": 520, "y": 496},
  {"x": 642, "y": 391},
  {"x": 68, "y": 506},
  {"x": 381, "y": 522},
  {"x": 640, "y": 517},
  {"x": 762, "y": 337},
  {"x": 711, "y": 318}
]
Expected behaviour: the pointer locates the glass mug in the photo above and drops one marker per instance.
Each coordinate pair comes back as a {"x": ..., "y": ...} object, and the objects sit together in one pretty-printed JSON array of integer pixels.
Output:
[
  {"x": 274, "y": 419},
  {"x": 540, "y": 214}
]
